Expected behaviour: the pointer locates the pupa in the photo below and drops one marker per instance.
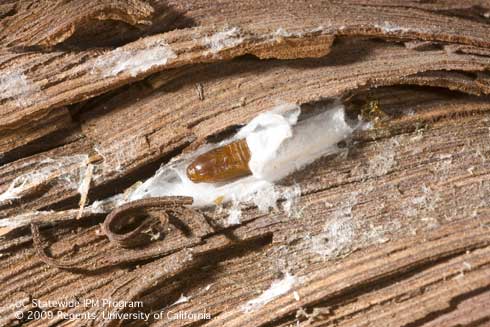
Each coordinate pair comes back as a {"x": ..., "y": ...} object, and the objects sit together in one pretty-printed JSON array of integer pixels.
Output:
[{"x": 222, "y": 164}]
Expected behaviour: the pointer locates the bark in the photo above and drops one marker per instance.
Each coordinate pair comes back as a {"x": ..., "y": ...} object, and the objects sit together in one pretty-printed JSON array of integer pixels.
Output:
[{"x": 394, "y": 231}]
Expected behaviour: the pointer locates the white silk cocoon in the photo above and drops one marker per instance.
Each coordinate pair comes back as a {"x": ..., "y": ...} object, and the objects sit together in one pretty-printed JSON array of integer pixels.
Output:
[{"x": 279, "y": 145}]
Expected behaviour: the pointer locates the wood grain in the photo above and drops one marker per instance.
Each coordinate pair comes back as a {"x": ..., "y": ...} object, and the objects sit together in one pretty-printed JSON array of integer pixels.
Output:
[{"x": 392, "y": 231}]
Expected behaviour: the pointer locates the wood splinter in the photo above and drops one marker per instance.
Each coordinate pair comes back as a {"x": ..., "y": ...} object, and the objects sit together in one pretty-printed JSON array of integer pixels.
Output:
[
  {"x": 118, "y": 220},
  {"x": 115, "y": 223},
  {"x": 43, "y": 256}
]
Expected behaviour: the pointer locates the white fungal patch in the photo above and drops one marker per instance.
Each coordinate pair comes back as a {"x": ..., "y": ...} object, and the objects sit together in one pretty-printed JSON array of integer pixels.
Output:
[
  {"x": 388, "y": 27},
  {"x": 117, "y": 155},
  {"x": 382, "y": 163},
  {"x": 182, "y": 299},
  {"x": 279, "y": 145},
  {"x": 155, "y": 52},
  {"x": 291, "y": 196},
  {"x": 19, "y": 220},
  {"x": 466, "y": 267},
  {"x": 338, "y": 236},
  {"x": 339, "y": 232},
  {"x": 430, "y": 198},
  {"x": 278, "y": 288},
  {"x": 234, "y": 214},
  {"x": 282, "y": 32},
  {"x": 410, "y": 112},
  {"x": 266, "y": 198},
  {"x": 219, "y": 41},
  {"x": 378, "y": 234},
  {"x": 68, "y": 170},
  {"x": 15, "y": 85},
  {"x": 108, "y": 204}
]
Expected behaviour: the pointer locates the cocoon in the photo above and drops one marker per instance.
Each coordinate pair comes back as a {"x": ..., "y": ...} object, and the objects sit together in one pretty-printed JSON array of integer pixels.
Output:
[{"x": 279, "y": 145}]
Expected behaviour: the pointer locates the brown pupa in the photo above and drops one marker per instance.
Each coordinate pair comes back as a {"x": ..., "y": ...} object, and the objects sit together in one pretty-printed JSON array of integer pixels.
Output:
[{"x": 222, "y": 164}]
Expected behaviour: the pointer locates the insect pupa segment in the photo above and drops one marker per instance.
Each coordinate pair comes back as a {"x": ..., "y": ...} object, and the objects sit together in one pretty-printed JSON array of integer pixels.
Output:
[{"x": 222, "y": 164}]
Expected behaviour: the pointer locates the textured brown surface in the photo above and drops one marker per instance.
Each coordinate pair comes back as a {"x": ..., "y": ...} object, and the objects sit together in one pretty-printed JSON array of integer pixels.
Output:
[
  {"x": 246, "y": 88},
  {"x": 388, "y": 230},
  {"x": 71, "y": 75},
  {"x": 394, "y": 231},
  {"x": 43, "y": 23}
]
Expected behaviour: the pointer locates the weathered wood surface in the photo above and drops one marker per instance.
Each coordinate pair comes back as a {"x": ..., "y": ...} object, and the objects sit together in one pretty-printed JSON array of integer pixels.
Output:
[{"x": 394, "y": 231}]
